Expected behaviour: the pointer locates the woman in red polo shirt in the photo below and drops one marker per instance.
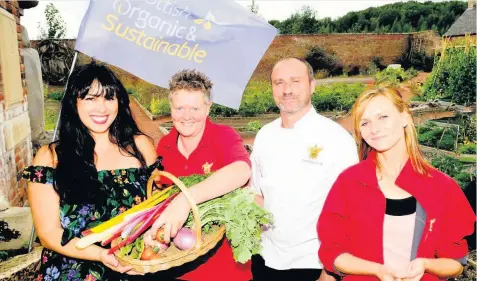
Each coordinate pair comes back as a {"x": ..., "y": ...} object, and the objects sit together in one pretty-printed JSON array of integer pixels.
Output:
[
  {"x": 392, "y": 216},
  {"x": 197, "y": 146}
]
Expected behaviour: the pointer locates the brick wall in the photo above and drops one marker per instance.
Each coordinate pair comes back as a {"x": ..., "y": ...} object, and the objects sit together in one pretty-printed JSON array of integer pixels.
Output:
[
  {"x": 351, "y": 49},
  {"x": 15, "y": 133}
]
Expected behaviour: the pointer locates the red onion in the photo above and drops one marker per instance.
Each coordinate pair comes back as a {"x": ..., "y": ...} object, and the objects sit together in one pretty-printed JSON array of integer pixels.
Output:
[{"x": 185, "y": 239}]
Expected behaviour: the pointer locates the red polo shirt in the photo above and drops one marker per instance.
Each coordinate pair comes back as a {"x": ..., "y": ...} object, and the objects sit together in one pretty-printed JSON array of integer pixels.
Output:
[{"x": 220, "y": 146}]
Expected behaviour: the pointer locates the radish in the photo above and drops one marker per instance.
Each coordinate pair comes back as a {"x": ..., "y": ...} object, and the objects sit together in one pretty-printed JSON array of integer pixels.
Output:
[{"x": 185, "y": 239}]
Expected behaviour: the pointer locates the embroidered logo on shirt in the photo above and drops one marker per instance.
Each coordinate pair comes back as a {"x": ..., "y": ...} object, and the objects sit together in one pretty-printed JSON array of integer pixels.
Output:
[
  {"x": 431, "y": 224},
  {"x": 206, "y": 167},
  {"x": 314, "y": 151}
]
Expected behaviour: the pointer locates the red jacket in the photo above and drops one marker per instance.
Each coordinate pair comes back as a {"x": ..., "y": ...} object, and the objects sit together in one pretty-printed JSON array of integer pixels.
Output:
[{"x": 353, "y": 215}]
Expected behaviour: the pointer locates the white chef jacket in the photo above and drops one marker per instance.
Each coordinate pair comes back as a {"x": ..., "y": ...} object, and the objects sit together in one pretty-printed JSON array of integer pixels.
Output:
[{"x": 294, "y": 169}]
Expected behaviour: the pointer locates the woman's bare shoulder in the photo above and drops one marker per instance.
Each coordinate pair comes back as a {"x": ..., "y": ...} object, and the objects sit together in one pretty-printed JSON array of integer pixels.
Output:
[
  {"x": 146, "y": 148},
  {"x": 46, "y": 156}
]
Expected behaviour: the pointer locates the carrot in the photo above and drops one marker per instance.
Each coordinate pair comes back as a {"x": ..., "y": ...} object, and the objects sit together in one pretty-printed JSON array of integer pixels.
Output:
[
  {"x": 147, "y": 223},
  {"x": 147, "y": 254}
]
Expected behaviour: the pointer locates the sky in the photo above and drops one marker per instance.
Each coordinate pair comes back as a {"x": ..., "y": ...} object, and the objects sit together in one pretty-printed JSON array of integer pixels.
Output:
[{"x": 73, "y": 11}]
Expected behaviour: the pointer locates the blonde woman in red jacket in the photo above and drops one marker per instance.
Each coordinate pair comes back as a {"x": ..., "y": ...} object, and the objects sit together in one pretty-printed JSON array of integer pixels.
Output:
[{"x": 392, "y": 216}]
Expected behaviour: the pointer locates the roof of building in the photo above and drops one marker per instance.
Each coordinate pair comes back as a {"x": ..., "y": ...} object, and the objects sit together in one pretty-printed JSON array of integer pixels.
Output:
[{"x": 465, "y": 24}]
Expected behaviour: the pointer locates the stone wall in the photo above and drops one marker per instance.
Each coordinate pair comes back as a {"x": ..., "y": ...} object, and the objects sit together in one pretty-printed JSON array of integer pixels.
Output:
[
  {"x": 15, "y": 133},
  {"x": 351, "y": 49}
]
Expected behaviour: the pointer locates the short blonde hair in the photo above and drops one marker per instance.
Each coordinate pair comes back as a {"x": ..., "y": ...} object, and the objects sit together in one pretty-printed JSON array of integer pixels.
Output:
[
  {"x": 191, "y": 79},
  {"x": 418, "y": 162}
]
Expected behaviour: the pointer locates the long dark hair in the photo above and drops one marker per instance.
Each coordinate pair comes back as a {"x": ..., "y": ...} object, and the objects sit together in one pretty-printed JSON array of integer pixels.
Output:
[{"x": 76, "y": 175}]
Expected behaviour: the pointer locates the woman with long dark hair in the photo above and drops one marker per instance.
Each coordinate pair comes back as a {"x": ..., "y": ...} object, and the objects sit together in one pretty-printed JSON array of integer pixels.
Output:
[{"x": 97, "y": 169}]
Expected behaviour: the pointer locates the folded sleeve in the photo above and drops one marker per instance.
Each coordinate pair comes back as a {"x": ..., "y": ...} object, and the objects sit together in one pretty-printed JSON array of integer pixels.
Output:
[{"x": 333, "y": 225}]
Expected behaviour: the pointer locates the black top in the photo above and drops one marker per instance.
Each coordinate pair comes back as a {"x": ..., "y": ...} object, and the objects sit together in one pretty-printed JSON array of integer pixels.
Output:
[{"x": 401, "y": 207}]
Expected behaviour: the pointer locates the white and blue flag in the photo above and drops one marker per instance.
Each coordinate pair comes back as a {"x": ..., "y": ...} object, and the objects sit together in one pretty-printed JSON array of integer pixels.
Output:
[{"x": 153, "y": 39}]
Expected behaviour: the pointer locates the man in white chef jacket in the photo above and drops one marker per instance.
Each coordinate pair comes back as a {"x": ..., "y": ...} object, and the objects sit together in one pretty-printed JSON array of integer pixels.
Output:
[{"x": 295, "y": 161}]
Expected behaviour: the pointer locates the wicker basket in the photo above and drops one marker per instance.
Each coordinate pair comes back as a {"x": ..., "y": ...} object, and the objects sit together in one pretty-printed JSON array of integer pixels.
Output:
[{"x": 172, "y": 256}]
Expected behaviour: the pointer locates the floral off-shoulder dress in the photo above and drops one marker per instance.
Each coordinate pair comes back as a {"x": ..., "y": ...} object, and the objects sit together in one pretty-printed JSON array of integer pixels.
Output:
[{"x": 126, "y": 188}]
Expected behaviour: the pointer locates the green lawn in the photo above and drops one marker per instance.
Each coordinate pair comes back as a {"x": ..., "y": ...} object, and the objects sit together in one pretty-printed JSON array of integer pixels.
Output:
[{"x": 52, "y": 108}]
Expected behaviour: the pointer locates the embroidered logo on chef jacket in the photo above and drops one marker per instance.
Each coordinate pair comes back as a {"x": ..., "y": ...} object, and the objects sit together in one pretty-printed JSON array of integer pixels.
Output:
[
  {"x": 206, "y": 167},
  {"x": 314, "y": 152},
  {"x": 313, "y": 155}
]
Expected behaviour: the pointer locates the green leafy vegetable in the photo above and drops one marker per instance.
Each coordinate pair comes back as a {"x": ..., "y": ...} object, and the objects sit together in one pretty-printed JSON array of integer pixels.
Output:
[{"x": 243, "y": 220}]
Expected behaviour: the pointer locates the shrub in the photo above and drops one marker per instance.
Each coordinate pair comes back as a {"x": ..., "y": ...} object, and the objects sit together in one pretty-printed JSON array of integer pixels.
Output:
[
  {"x": 416, "y": 91},
  {"x": 454, "y": 76},
  {"x": 220, "y": 110},
  {"x": 454, "y": 169},
  {"x": 160, "y": 106},
  {"x": 256, "y": 102},
  {"x": 257, "y": 99},
  {"x": 378, "y": 62},
  {"x": 447, "y": 164},
  {"x": 142, "y": 99},
  {"x": 464, "y": 178},
  {"x": 319, "y": 59},
  {"x": 394, "y": 76},
  {"x": 322, "y": 73},
  {"x": 338, "y": 96},
  {"x": 467, "y": 129},
  {"x": 351, "y": 69},
  {"x": 55, "y": 96},
  {"x": 434, "y": 136},
  {"x": 468, "y": 148},
  {"x": 421, "y": 61},
  {"x": 254, "y": 126}
]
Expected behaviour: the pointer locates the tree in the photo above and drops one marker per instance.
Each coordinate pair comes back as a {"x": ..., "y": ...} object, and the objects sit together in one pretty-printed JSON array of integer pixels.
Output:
[
  {"x": 275, "y": 23},
  {"x": 55, "y": 25},
  {"x": 254, "y": 7},
  {"x": 423, "y": 26},
  {"x": 396, "y": 27},
  {"x": 305, "y": 21},
  {"x": 396, "y": 17}
]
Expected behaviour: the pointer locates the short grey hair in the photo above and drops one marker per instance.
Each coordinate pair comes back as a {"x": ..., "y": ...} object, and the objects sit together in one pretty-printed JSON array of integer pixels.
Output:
[
  {"x": 191, "y": 79},
  {"x": 309, "y": 69}
]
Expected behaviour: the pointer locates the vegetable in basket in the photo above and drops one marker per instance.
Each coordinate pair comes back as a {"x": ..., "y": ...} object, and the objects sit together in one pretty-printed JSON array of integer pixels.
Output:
[{"x": 243, "y": 220}]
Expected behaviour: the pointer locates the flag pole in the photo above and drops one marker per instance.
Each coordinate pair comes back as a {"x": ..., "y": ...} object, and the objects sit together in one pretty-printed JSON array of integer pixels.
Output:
[{"x": 30, "y": 243}]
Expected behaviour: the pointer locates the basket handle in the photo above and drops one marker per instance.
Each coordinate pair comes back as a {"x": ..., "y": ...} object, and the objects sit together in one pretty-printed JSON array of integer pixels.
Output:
[{"x": 183, "y": 188}]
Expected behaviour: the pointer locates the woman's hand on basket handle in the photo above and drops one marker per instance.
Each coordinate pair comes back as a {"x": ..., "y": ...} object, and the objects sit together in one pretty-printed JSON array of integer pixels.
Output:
[
  {"x": 110, "y": 261},
  {"x": 173, "y": 218}
]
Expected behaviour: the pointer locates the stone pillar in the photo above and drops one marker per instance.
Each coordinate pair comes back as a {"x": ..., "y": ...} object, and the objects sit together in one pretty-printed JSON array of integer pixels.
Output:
[
  {"x": 34, "y": 83},
  {"x": 15, "y": 133},
  {"x": 15, "y": 147}
]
